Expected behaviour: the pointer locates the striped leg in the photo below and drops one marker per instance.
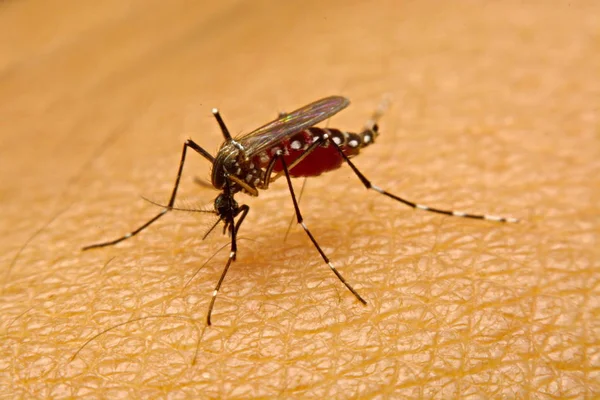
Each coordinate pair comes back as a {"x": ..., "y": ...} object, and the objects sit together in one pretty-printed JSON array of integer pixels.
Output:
[
  {"x": 188, "y": 143},
  {"x": 243, "y": 210},
  {"x": 312, "y": 238},
  {"x": 289, "y": 228},
  {"x": 409, "y": 203}
]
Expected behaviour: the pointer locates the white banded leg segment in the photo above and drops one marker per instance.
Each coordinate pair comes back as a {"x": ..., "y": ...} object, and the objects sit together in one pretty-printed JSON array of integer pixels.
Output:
[
  {"x": 218, "y": 287},
  {"x": 231, "y": 258},
  {"x": 310, "y": 236},
  {"x": 377, "y": 189},
  {"x": 331, "y": 266},
  {"x": 188, "y": 143},
  {"x": 496, "y": 218},
  {"x": 130, "y": 234},
  {"x": 409, "y": 203},
  {"x": 452, "y": 213}
]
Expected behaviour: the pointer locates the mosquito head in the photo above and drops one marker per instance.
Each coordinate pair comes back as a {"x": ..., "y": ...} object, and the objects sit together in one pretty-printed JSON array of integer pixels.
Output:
[{"x": 226, "y": 206}]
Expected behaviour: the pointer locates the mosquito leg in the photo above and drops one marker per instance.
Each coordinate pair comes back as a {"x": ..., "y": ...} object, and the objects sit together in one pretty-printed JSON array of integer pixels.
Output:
[
  {"x": 232, "y": 254},
  {"x": 378, "y": 113},
  {"x": 188, "y": 143},
  {"x": 287, "y": 232},
  {"x": 289, "y": 228},
  {"x": 312, "y": 239},
  {"x": 409, "y": 203}
]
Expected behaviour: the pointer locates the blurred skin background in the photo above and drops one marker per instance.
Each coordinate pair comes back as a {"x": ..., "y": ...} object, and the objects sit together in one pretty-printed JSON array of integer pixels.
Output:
[{"x": 495, "y": 109}]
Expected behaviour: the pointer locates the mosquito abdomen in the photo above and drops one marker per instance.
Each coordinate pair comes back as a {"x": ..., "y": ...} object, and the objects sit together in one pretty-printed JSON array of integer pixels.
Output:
[{"x": 322, "y": 159}]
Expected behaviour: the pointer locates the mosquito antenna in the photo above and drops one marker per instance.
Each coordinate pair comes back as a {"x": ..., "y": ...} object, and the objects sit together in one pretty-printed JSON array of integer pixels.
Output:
[{"x": 179, "y": 209}]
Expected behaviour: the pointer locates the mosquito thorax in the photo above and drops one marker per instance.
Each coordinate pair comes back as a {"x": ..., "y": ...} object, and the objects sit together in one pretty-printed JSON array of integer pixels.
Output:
[{"x": 231, "y": 161}]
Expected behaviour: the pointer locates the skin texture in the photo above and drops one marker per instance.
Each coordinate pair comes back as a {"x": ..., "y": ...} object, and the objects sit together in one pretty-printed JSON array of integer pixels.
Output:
[{"x": 496, "y": 109}]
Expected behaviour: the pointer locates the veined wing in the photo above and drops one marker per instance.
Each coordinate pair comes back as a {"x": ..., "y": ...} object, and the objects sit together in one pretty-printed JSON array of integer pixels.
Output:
[{"x": 268, "y": 135}]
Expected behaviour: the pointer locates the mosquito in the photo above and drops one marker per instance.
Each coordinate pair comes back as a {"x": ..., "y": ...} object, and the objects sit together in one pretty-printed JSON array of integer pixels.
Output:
[{"x": 290, "y": 146}]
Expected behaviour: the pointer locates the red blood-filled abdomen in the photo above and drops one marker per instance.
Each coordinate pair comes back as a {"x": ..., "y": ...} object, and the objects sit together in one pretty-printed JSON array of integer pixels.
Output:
[
  {"x": 322, "y": 159},
  {"x": 319, "y": 161}
]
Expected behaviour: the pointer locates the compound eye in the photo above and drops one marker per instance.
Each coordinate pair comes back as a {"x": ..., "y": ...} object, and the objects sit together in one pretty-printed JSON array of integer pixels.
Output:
[{"x": 219, "y": 203}]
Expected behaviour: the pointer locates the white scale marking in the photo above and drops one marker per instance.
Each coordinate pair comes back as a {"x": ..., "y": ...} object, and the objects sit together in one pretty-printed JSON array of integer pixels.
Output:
[
  {"x": 459, "y": 214},
  {"x": 331, "y": 265},
  {"x": 492, "y": 218},
  {"x": 128, "y": 235},
  {"x": 232, "y": 254},
  {"x": 215, "y": 293},
  {"x": 337, "y": 140},
  {"x": 377, "y": 189},
  {"x": 296, "y": 145},
  {"x": 238, "y": 145},
  {"x": 421, "y": 207},
  {"x": 353, "y": 143}
]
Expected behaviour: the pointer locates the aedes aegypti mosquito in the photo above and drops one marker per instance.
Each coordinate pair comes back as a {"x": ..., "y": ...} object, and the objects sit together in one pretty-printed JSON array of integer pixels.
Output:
[{"x": 289, "y": 146}]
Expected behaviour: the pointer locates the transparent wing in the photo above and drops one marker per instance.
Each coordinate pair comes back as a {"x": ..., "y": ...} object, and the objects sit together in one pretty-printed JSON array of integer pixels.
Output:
[{"x": 268, "y": 135}]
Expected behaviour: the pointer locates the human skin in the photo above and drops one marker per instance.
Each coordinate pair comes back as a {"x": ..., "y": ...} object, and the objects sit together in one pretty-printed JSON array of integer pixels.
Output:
[{"x": 495, "y": 109}]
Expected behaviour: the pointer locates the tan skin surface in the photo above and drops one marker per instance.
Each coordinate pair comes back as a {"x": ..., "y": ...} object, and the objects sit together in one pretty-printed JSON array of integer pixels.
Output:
[{"x": 496, "y": 109}]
